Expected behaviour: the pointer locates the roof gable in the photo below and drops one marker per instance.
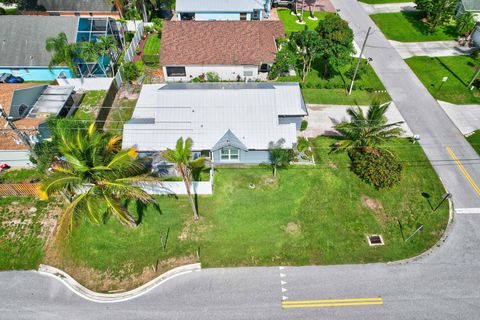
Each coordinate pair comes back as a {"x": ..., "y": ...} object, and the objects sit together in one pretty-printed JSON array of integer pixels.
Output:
[{"x": 229, "y": 140}]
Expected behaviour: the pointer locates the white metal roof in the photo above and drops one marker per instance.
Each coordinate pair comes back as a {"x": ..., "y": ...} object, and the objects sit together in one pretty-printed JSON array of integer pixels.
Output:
[
  {"x": 218, "y": 5},
  {"x": 205, "y": 112}
]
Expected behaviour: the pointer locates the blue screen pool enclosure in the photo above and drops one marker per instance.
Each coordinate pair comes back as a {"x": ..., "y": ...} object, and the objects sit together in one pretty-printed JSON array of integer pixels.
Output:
[{"x": 90, "y": 30}]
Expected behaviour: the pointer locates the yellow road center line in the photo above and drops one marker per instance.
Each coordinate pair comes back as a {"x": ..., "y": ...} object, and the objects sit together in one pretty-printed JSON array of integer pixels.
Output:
[
  {"x": 318, "y": 305},
  {"x": 331, "y": 300},
  {"x": 464, "y": 171}
]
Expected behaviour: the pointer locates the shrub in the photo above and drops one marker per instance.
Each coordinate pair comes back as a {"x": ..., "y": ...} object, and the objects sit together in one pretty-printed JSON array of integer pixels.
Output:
[
  {"x": 302, "y": 144},
  {"x": 2, "y": 11},
  {"x": 151, "y": 59},
  {"x": 157, "y": 25},
  {"x": 129, "y": 36},
  {"x": 131, "y": 71},
  {"x": 213, "y": 77},
  {"x": 379, "y": 168},
  {"x": 304, "y": 125}
]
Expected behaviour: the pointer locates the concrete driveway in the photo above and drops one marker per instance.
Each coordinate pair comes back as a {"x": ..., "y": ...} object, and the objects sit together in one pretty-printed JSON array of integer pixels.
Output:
[
  {"x": 431, "y": 49},
  {"x": 388, "y": 7},
  {"x": 465, "y": 117},
  {"x": 321, "y": 119}
]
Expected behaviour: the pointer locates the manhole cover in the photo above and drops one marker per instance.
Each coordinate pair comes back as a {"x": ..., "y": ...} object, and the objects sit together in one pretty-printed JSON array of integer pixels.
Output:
[{"x": 375, "y": 240}]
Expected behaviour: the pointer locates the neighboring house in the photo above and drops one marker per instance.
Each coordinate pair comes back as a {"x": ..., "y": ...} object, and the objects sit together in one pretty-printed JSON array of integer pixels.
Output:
[
  {"x": 96, "y": 8},
  {"x": 229, "y": 122},
  {"x": 205, "y": 10},
  {"x": 29, "y": 106},
  {"x": 22, "y": 44},
  {"x": 235, "y": 50},
  {"x": 472, "y": 6}
]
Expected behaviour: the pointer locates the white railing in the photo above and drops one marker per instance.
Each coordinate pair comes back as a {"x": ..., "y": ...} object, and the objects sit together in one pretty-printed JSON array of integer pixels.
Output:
[{"x": 130, "y": 53}]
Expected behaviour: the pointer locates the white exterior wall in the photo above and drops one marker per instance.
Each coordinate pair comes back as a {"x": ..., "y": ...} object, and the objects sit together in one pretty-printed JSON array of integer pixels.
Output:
[
  {"x": 178, "y": 187},
  {"x": 229, "y": 72},
  {"x": 86, "y": 84}
]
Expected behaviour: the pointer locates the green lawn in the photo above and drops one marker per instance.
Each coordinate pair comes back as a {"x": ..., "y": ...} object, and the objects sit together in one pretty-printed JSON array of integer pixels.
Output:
[
  {"x": 21, "y": 244},
  {"x": 408, "y": 27},
  {"x": 19, "y": 175},
  {"x": 474, "y": 140},
  {"x": 91, "y": 103},
  {"x": 333, "y": 90},
  {"x": 152, "y": 45},
  {"x": 291, "y": 26},
  {"x": 310, "y": 215},
  {"x": 458, "y": 69},
  {"x": 119, "y": 115},
  {"x": 384, "y": 1}
]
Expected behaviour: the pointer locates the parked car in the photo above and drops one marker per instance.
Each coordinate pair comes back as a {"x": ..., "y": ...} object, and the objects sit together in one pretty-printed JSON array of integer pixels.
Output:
[
  {"x": 10, "y": 78},
  {"x": 4, "y": 167},
  {"x": 283, "y": 3}
]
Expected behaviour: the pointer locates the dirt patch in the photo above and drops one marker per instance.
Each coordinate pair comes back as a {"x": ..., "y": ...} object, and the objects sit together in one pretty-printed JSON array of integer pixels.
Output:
[
  {"x": 292, "y": 229},
  {"x": 371, "y": 203},
  {"x": 194, "y": 231},
  {"x": 105, "y": 281}
]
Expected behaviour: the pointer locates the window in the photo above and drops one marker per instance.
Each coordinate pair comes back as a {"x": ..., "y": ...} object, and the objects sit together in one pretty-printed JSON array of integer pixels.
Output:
[
  {"x": 176, "y": 72},
  {"x": 243, "y": 16},
  {"x": 229, "y": 154},
  {"x": 248, "y": 73}
]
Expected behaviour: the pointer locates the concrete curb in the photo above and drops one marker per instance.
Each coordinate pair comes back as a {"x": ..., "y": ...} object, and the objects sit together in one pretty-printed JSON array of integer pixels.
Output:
[
  {"x": 93, "y": 296},
  {"x": 437, "y": 245}
]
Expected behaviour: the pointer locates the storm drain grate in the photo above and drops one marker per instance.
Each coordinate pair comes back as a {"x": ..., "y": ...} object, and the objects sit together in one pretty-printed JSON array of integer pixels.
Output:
[{"x": 375, "y": 240}]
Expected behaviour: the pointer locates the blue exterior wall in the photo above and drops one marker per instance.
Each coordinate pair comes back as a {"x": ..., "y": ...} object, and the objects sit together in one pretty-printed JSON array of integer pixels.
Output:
[
  {"x": 246, "y": 157},
  {"x": 38, "y": 74}
]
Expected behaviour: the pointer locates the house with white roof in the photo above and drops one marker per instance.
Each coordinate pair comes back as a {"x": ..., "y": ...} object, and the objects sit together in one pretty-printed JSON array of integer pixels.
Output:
[
  {"x": 208, "y": 10},
  {"x": 229, "y": 122}
]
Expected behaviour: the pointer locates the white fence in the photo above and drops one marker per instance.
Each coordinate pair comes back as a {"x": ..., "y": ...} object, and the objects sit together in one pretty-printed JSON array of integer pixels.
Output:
[
  {"x": 85, "y": 84},
  {"x": 130, "y": 53},
  {"x": 178, "y": 187}
]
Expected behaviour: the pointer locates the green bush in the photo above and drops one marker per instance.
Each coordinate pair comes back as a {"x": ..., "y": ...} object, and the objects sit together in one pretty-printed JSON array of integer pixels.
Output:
[
  {"x": 213, "y": 77},
  {"x": 129, "y": 36},
  {"x": 379, "y": 168},
  {"x": 2, "y": 11},
  {"x": 302, "y": 144},
  {"x": 304, "y": 125},
  {"x": 131, "y": 71}
]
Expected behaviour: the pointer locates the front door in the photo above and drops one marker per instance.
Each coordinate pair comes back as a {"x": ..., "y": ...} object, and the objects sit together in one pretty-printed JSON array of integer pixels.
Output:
[{"x": 256, "y": 15}]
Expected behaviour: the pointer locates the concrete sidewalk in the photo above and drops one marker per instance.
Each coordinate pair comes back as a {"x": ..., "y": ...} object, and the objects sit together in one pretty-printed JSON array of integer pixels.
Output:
[
  {"x": 388, "y": 7},
  {"x": 431, "y": 49},
  {"x": 321, "y": 119}
]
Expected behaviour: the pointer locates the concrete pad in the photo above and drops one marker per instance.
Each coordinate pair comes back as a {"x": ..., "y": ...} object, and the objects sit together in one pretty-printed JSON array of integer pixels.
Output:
[
  {"x": 388, "y": 7},
  {"x": 430, "y": 48},
  {"x": 465, "y": 117},
  {"x": 322, "y": 118}
]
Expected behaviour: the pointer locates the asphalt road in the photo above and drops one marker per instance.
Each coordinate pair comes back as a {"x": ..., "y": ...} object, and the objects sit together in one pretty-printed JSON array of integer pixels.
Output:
[
  {"x": 444, "y": 285},
  {"x": 419, "y": 109}
]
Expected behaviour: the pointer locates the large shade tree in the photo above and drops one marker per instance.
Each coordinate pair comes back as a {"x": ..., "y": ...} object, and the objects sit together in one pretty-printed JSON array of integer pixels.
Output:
[
  {"x": 95, "y": 177},
  {"x": 366, "y": 132},
  {"x": 437, "y": 11},
  {"x": 181, "y": 157}
]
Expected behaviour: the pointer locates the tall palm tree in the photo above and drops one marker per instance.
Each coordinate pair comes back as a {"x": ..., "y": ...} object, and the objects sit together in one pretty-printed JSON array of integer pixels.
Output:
[
  {"x": 181, "y": 157},
  {"x": 108, "y": 47},
  {"x": 95, "y": 176},
  {"x": 366, "y": 132},
  {"x": 64, "y": 53}
]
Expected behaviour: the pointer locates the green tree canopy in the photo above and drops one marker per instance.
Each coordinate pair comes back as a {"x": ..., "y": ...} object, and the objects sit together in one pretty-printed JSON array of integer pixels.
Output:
[{"x": 437, "y": 11}]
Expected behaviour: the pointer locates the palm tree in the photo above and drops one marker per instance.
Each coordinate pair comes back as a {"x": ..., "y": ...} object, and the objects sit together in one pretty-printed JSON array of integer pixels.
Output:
[
  {"x": 64, "y": 53},
  {"x": 279, "y": 156},
  {"x": 108, "y": 47},
  {"x": 366, "y": 132},
  {"x": 89, "y": 51},
  {"x": 95, "y": 176},
  {"x": 181, "y": 157}
]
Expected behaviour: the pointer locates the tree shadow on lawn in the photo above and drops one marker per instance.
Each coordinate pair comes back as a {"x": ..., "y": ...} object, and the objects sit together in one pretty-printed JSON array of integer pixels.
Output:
[
  {"x": 141, "y": 208},
  {"x": 450, "y": 70},
  {"x": 415, "y": 18}
]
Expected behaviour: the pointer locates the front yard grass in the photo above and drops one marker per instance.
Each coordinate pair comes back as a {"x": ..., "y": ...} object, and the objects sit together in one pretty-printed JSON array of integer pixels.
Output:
[
  {"x": 458, "y": 69},
  {"x": 289, "y": 20},
  {"x": 309, "y": 215},
  {"x": 21, "y": 239},
  {"x": 474, "y": 140},
  {"x": 409, "y": 27},
  {"x": 333, "y": 90}
]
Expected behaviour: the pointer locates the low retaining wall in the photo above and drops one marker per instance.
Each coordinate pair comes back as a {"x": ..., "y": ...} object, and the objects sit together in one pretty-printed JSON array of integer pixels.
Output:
[
  {"x": 85, "y": 84},
  {"x": 88, "y": 294}
]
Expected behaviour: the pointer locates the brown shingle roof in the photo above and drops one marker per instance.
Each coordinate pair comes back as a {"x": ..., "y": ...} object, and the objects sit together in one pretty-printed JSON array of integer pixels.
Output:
[
  {"x": 7, "y": 136},
  {"x": 219, "y": 42}
]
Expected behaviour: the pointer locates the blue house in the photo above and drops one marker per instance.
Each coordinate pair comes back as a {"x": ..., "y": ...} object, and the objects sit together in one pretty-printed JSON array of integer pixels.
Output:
[
  {"x": 205, "y": 10},
  {"x": 232, "y": 123}
]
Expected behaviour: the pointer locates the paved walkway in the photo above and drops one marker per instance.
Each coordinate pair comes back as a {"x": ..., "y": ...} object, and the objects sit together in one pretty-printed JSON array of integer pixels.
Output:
[
  {"x": 321, "y": 119},
  {"x": 465, "y": 117},
  {"x": 453, "y": 158},
  {"x": 431, "y": 49},
  {"x": 388, "y": 7}
]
